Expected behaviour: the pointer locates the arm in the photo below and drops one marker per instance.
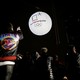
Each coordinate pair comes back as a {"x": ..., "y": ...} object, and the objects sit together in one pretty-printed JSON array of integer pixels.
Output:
[{"x": 19, "y": 31}]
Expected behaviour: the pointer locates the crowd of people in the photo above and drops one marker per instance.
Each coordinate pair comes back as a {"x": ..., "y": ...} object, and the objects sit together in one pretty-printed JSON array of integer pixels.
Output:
[
  {"x": 36, "y": 65},
  {"x": 72, "y": 63}
]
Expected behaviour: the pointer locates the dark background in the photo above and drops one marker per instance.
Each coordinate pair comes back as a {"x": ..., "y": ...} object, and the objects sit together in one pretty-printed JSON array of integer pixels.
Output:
[{"x": 65, "y": 28}]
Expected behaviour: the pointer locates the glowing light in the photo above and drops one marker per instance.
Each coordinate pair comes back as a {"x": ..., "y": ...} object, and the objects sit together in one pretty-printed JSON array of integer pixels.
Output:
[{"x": 40, "y": 23}]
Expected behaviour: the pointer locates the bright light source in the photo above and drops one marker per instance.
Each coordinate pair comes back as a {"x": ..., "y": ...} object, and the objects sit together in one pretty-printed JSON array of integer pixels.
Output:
[{"x": 40, "y": 23}]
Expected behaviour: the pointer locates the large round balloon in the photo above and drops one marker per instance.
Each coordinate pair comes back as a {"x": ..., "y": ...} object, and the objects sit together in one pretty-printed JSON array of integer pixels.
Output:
[{"x": 40, "y": 23}]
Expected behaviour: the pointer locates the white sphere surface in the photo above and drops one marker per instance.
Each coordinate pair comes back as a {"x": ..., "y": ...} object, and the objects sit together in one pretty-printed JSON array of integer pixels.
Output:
[{"x": 40, "y": 23}]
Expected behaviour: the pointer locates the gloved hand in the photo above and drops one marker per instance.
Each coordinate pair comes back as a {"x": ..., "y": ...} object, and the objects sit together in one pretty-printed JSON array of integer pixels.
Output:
[{"x": 19, "y": 56}]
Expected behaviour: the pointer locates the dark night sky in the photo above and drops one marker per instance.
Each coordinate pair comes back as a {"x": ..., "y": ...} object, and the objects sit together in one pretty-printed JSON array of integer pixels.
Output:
[{"x": 70, "y": 13}]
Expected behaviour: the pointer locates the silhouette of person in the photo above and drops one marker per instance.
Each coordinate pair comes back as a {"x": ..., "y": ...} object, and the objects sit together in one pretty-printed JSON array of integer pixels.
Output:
[
  {"x": 44, "y": 65},
  {"x": 9, "y": 41},
  {"x": 72, "y": 62}
]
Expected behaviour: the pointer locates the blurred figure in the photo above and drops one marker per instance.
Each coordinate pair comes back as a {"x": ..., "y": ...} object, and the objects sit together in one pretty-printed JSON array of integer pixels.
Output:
[
  {"x": 72, "y": 62},
  {"x": 58, "y": 68},
  {"x": 9, "y": 41},
  {"x": 44, "y": 65},
  {"x": 37, "y": 55}
]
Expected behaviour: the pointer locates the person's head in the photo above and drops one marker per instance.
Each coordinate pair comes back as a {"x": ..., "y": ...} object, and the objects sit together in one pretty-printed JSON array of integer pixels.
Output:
[
  {"x": 72, "y": 49},
  {"x": 8, "y": 26},
  {"x": 37, "y": 55},
  {"x": 44, "y": 51}
]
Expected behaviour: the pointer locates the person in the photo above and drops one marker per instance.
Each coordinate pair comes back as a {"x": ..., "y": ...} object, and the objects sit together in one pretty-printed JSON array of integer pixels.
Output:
[
  {"x": 72, "y": 63},
  {"x": 44, "y": 65},
  {"x": 9, "y": 41},
  {"x": 59, "y": 69}
]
